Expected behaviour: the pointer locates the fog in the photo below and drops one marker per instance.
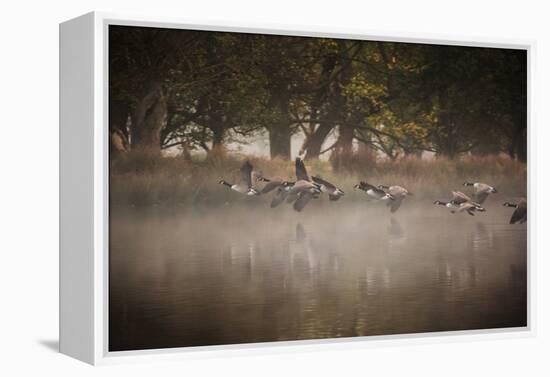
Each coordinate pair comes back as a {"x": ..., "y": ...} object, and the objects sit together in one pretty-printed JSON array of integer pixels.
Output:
[{"x": 248, "y": 273}]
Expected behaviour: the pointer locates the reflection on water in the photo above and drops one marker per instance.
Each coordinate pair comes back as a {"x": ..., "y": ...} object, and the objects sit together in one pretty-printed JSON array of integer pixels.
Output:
[
  {"x": 254, "y": 275},
  {"x": 300, "y": 232},
  {"x": 394, "y": 229}
]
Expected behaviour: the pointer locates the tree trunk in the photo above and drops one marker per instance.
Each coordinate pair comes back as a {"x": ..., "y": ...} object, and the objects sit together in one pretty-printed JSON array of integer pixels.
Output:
[
  {"x": 343, "y": 154},
  {"x": 218, "y": 126},
  {"x": 314, "y": 142},
  {"x": 279, "y": 140},
  {"x": 148, "y": 120},
  {"x": 279, "y": 132},
  {"x": 218, "y": 138}
]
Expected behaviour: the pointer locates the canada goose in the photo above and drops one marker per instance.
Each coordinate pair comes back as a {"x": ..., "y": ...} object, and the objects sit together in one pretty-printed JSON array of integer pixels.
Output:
[
  {"x": 373, "y": 191},
  {"x": 304, "y": 189},
  {"x": 334, "y": 193},
  {"x": 481, "y": 190},
  {"x": 399, "y": 193},
  {"x": 301, "y": 193},
  {"x": 282, "y": 188},
  {"x": 458, "y": 199},
  {"x": 520, "y": 214},
  {"x": 244, "y": 186}
]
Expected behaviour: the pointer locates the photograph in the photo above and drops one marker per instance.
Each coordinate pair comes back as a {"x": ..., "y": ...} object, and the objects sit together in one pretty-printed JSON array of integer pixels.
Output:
[{"x": 266, "y": 188}]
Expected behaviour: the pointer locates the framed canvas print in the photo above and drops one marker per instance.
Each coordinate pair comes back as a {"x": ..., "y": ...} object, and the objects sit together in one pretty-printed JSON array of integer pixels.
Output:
[{"x": 225, "y": 187}]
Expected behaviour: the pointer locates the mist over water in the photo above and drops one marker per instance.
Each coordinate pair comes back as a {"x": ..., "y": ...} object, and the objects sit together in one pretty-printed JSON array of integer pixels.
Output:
[{"x": 247, "y": 273}]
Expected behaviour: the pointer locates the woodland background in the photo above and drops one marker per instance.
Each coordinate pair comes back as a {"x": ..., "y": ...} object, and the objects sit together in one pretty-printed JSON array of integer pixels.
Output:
[{"x": 417, "y": 114}]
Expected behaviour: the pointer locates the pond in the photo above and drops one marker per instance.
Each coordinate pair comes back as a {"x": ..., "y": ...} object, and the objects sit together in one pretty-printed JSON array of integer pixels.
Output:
[{"x": 247, "y": 273}]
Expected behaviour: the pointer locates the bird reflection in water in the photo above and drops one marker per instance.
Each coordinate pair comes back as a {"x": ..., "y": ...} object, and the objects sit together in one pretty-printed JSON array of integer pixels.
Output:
[
  {"x": 300, "y": 232},
  {"x": 395, "y": 230}
]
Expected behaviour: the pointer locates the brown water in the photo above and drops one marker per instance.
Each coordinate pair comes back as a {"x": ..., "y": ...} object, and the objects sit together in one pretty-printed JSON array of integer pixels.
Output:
[{"x": 252, "y": 274}]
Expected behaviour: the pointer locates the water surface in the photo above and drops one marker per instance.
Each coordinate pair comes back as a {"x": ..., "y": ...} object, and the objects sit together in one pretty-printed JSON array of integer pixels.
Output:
[{"x": 242, "y": 274}]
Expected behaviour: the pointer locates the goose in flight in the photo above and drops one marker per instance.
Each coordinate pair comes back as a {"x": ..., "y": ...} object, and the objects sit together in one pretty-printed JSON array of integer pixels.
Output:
[
  {"x": 280, "y": 186},
  {"x": 461, "y": 202},
  {"x": 520, "y": 214},
  {"x": 244, "y": 186},
  {"x": 398, "y": 193},
  {"x": 301, "y": 193},
  {"x": 481, "y": 190},
  {"x": 304, "y": 189},
  {"x": 373, "y": 191},
  {"x": 334, "y": 193}
]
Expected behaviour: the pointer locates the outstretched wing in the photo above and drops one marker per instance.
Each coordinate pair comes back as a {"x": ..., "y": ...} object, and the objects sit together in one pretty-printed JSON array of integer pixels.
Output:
[
  {"x": 518, "y": 214},
  {"x": 397, "y": 191},
  {"x": 321, "y": 181},
  {"x": 481, "y": 196},
  {"x": 246, "y": 174},
  {"x": 301, "y": 172},
  {"x": 303, "y": 200},
  {"x": 270, "y": 186},
  {"x": 395, "y": 204},
  {"x": 460, "y": 197},
  {"x": 279, "y": 197}
]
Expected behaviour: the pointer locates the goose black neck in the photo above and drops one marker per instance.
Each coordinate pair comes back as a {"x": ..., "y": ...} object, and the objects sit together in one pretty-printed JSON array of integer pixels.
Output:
[
  {"x": 225, "y": 183},
  {"x": 439, "y": 202},
  {"x": 468, "y": 184}
]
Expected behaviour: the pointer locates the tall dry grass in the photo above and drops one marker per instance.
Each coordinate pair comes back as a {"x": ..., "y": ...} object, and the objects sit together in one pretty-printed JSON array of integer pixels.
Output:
[{"x": 146, "y": 179}]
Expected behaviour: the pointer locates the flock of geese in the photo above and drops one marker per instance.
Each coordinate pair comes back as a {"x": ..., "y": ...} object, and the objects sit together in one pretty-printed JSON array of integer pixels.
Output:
[{"x": 306, "y": 187}]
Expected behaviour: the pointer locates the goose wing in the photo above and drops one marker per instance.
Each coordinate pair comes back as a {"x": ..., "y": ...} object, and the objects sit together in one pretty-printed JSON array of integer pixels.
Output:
[
  {"x": 321, "y": 181},
  {"x": 246, "y": 174},
  {"x": 460, "y": 197},
  {"x": 301, "y": 186},
  {"x": 279, "y": 197},
  {"x": 397, "y": 191},
  {"x": 481, "y": 196},
  {"x": 301, "y": 172},
  {"x": 302, "y": 201},
  {"x": 520, "y": 213},
  {"x": 270, "y": 186},
  {"x": 367, "y": 186},
  {"x": 466, "y": 207},
  {"x": 395, "y": 204},
  {"x": 376, "y": 190}
]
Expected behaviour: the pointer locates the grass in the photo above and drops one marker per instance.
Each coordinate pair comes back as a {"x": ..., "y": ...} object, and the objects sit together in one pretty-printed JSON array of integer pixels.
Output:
[{"x": 145, "y": 179}]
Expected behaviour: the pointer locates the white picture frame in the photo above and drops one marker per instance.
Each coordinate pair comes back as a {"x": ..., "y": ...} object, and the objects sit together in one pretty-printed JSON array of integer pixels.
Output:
[{"x": 84, "y": 191}]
